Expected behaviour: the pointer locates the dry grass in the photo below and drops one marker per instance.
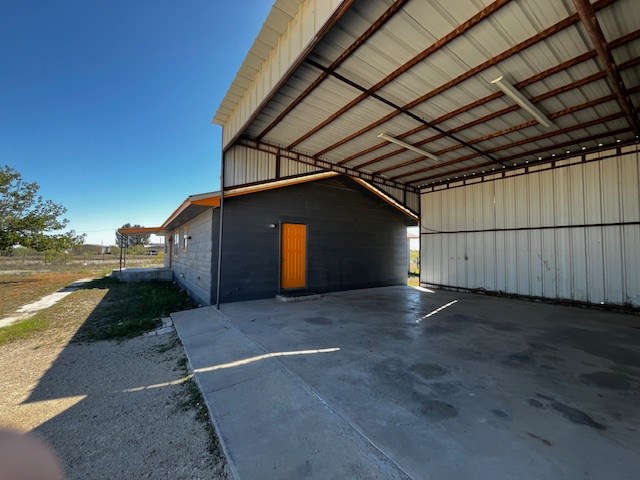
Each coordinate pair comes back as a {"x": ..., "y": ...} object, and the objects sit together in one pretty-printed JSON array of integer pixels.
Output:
[
  {"x": 25, "y": 281},
  {"x": 54, "y": 324},
  {"x": 21, "y": 288},
  {"x": 102, "y": 309}
]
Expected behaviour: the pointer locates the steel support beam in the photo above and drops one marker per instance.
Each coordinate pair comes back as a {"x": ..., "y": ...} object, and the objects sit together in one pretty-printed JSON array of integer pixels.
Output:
[
  {"x": 520, "y": 85},
  {"x": 321, "y": 164},
  {"x": 524, "y": 141},
  {"x": 587, "y": 15},
  {"x": 406, "y": 112},
  {"x": 375, "y": 26},
  {"x": 553, "y": 29},
  {"x": 422, "y": 182},
  {"x": 457, "y": 32}
]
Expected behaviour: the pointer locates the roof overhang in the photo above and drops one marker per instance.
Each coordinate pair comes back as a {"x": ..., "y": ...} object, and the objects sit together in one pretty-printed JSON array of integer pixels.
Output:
[
  {"x": 421, "y": 71},
  {"x": 195, "y": 205},
  {"x": 139, "y": 230}
]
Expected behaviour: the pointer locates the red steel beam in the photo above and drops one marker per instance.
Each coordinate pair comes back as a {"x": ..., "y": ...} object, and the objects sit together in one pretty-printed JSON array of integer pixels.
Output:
[
  {"x": 506, "y": 131},
  {"x": 375, "y": 26},
  {"x": 570, "y": 20},
  {"x": 457, "y": 32},
  {"x": 613, "y": 133},
  {"x": 524, "y": 141},
  {"x": 588, "y": 19},
  {"x": 520, "y": 85},
  {"x": 565, "y": 111}
]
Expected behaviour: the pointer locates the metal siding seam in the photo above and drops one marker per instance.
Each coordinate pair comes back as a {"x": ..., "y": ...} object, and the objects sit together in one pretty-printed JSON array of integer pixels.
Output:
[
  {"x": 585, "y": 253},
  {"x": 602, "y": 238},
  {"x": 500, "y": 237},
  {"x": 479, "y": 239},
  {"x": 611, "y": 236},
  {"x": 521, "y": 195},
  {"x": 561, "y": 239},
  {"x": 623, "y": 267},
  {"x": 535, "y": 217}
]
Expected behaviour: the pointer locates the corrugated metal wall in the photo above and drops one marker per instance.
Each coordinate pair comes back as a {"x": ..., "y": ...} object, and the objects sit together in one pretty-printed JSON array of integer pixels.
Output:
[
  {"x": 528, "y": 234},
  {"x": 412, "y": 199},
  {"x": 244, "y": 165},
  {"x": 312, "y": 15}
]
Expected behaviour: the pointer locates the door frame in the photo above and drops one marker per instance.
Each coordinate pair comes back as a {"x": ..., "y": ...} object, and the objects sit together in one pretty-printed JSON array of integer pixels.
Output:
[{"x": 306, "y": 257}]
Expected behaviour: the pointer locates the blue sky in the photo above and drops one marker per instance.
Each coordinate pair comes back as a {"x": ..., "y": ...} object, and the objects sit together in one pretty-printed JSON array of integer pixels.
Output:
[{"x": 107, "y": 105}]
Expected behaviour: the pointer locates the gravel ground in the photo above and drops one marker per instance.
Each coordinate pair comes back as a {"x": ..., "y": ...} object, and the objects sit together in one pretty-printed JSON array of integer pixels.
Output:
[{"x": 110, "y": 409}]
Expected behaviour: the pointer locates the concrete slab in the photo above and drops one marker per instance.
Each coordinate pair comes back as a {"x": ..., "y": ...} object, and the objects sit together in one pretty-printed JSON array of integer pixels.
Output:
[
  {"x": 308, "y": 297},
  {"x": 150, "y": 274},
  {"x": 271, "y": 425},
  {"x": 443, "y": 384}
]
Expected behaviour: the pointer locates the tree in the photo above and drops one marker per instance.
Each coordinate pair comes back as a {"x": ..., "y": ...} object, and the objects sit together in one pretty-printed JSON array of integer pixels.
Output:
[
  {"x": 132, "y": 240},
  {"x": 27, "y": 219}
]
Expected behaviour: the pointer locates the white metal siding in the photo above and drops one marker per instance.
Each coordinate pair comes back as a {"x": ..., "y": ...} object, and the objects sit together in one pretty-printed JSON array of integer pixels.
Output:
[
  {"x": 246, "y": 165},
  {"x": 598, "y": 264},
  {"x": 301, "y": 30},
  {"x": 290, "y": 168}
]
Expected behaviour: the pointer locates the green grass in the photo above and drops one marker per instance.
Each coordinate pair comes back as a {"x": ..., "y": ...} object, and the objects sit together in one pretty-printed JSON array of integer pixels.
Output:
[
  {"x": 24, "y": 329},
  {"x": 130, "y": 309},
  {"x": 103, "y": 309}
]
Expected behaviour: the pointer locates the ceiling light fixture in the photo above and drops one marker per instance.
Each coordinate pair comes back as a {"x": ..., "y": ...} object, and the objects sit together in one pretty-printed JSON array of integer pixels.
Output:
[
  {"x": 408, "y": 146},
  {"x": 510, "y": 91}
]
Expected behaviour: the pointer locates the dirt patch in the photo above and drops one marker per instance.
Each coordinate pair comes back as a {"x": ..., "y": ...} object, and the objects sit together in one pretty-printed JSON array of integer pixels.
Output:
[{"x": 109, "y": 409}]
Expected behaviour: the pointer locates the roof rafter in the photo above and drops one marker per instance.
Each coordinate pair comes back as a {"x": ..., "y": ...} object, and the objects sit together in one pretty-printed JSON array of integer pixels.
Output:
[
  {"x": 486, "y": 118},
  {"x": 522, "y": 84},
  {"x": 432, "y": 179},
  {"x": 591, "y": 103},
  {"x": 553, "y": 29},
  {"x": 325, "y": 165},
  {"x": 524, "y": 141},
  {"x": 437, "y": 45},
  {"x": 410, "y": 114},
  {"x": 588, "y": 19},
  {"x": 461, "y": 110},
  {"x": 514, "y": 128},
  {"x": 375, "y": 26}
]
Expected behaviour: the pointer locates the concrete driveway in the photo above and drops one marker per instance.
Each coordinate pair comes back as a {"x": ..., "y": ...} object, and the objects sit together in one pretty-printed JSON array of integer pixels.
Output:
[{"x": 397, "y": 382}]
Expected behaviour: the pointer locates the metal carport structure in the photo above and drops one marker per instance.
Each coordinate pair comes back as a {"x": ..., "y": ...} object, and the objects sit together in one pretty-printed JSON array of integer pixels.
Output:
[{"x": 403, "y": 95}]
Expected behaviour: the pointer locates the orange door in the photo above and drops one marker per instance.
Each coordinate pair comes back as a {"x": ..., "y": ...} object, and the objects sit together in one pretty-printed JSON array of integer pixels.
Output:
[{"x": 294, "y": 255}]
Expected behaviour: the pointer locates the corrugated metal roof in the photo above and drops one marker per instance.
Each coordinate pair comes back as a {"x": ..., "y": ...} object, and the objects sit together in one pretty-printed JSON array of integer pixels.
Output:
[
  {"x": 275, "y": 25},
  {"x": 559, "y": 71}
]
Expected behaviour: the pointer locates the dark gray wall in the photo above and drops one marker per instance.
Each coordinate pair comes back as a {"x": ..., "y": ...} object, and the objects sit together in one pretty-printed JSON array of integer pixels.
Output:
[{"x": 354, "y": 239}]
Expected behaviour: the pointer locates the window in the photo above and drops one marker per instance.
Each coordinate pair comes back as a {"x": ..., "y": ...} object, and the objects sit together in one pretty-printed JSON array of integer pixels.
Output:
[
  {"x": 176, "y": 243},
  {"x": 185, "y": 239}
]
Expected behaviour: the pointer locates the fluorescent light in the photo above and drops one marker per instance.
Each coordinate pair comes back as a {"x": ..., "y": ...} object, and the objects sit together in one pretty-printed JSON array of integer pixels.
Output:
[
  {"x": 510, "y": 91},
  {"x": 408, "y": 146}
]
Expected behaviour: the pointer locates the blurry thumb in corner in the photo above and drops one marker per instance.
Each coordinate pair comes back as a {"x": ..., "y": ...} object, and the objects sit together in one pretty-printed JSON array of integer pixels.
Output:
[{"x": 26, "y": 457}]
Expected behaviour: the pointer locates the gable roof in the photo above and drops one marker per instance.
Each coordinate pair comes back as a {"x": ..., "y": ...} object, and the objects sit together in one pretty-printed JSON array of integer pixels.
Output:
[{"x": 194, "y": 205}]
